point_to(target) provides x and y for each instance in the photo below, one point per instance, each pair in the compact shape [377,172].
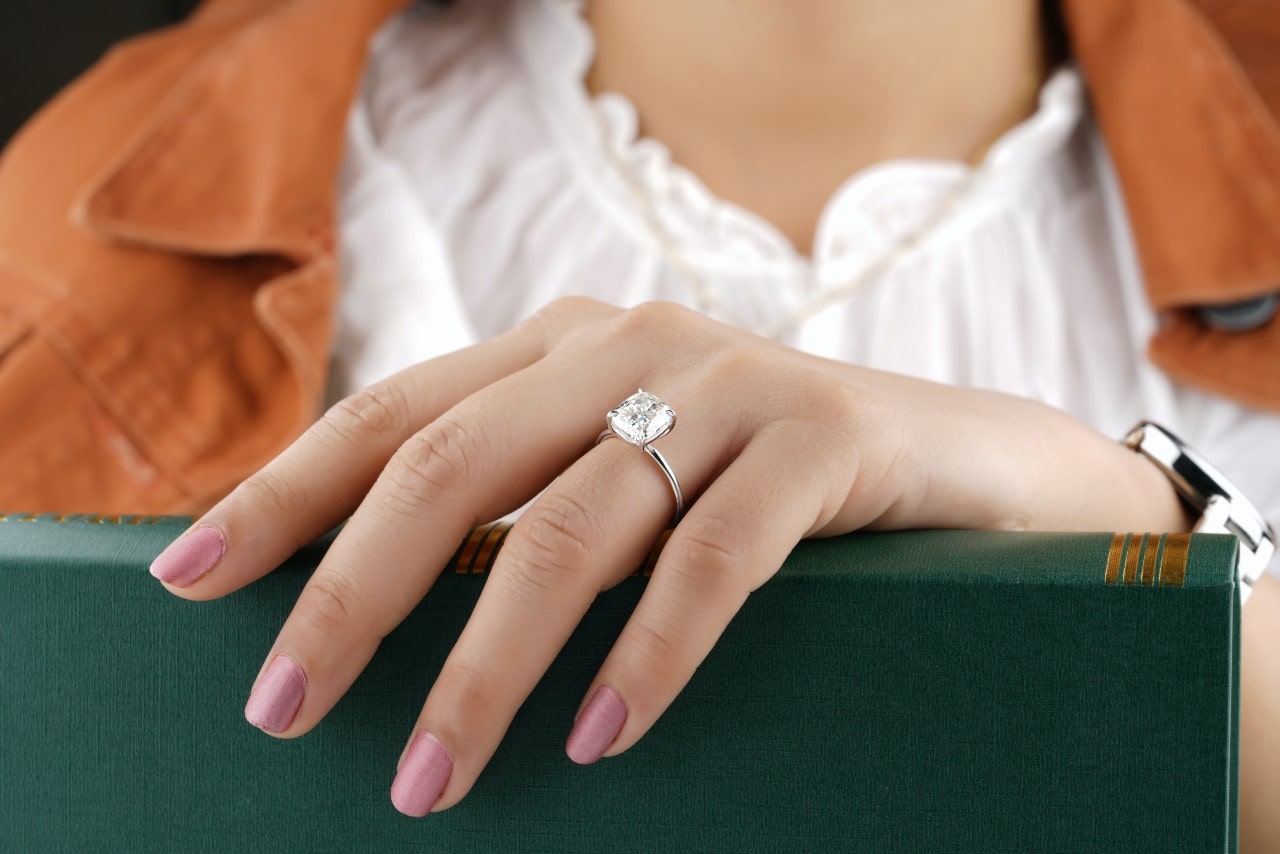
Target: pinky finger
[733,539]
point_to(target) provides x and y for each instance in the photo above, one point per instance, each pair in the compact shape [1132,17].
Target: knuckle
[436,460]
[572,306]
[556,318]
[733,366]
[557,541]
[653,646]
[1014,522]
[469,692]
[273,493]
[331,603]
[662,333]
[650,318]
[836,411]
[377,411]
[707,551]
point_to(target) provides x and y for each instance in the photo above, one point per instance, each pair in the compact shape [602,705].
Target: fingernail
[188,558]
[277,696]
[423,775]
[597,726]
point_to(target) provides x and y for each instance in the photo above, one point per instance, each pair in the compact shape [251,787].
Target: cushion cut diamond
[642,418]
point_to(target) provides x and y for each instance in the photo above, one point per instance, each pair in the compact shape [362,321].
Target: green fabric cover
[924,691]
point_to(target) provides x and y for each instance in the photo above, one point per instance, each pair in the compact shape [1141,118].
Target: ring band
[640,420]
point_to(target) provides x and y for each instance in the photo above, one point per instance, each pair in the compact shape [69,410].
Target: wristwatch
[1222,507]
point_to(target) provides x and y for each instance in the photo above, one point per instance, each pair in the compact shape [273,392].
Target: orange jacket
[167,276]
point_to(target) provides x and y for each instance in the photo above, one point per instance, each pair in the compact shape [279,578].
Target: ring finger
[784,486]
[589,530]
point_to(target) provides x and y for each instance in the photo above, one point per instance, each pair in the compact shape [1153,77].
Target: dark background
[45,44]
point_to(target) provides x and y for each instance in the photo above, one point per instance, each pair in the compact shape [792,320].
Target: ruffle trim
[866,214]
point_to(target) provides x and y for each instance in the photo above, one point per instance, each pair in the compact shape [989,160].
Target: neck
[774,103]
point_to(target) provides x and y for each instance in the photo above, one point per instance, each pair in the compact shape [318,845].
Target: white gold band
[640,420]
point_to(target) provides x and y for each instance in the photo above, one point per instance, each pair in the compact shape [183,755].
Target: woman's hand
[772,446]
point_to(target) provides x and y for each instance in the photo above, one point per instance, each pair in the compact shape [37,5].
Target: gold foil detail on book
[467,551]
[1148,559]
[1173,565]
[83,518]
[1132,557]
[1113,558]
[493,540]
[479,550]
[1149,556]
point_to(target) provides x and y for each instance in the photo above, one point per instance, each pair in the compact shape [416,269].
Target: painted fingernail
[188,558]
[423,775]
[597,726]
[277,696]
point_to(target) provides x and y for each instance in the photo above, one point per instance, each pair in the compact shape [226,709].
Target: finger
[591,528]
[318,480]
[485,457]
[733,540]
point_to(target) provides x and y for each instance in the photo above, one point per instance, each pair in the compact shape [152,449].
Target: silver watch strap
[1222,506]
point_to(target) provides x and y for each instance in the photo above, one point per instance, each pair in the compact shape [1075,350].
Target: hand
[772,446]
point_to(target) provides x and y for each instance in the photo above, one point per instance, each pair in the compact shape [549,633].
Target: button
[1243,316]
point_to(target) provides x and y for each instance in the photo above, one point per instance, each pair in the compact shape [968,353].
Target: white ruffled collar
[866,215]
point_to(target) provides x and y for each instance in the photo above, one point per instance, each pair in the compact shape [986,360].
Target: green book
[923,691]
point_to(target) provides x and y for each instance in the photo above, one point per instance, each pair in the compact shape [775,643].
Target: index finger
[320,479]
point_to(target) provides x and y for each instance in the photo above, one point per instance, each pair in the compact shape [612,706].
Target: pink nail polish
[188,558]
[277,696]
[423,775]
[597,726]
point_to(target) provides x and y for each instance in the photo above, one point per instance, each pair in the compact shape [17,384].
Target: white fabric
[482,181]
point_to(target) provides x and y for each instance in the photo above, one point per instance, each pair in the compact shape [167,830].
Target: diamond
[641,418]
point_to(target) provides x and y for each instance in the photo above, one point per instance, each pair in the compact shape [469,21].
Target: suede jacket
[167,271]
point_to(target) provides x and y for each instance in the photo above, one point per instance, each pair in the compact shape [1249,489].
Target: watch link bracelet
[1222,507]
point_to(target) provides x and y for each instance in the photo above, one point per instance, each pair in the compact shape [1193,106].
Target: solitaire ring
[640,420]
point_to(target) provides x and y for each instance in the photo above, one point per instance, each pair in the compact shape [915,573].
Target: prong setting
[641,419]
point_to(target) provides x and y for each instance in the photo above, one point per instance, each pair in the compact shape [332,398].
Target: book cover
[916,691]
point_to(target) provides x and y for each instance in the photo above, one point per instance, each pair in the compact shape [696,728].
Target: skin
[793,98]
[1260,719]
[773,445]
[820,449]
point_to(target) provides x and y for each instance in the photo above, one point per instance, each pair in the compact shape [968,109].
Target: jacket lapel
[1187,93]
[240,156]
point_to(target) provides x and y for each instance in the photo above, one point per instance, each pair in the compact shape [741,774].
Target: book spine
[1131,560]
[130,540]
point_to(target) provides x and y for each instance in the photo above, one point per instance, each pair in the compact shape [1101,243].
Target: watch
[1222,507]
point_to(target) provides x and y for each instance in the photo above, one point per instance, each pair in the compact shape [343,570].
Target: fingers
[480,460]
[733,540]
[318,480]
[473,436]
[590,529]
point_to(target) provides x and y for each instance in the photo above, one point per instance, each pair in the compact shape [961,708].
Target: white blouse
[481,181]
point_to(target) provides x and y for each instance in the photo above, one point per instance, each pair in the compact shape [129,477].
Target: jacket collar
[1187,94]
[241,156]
